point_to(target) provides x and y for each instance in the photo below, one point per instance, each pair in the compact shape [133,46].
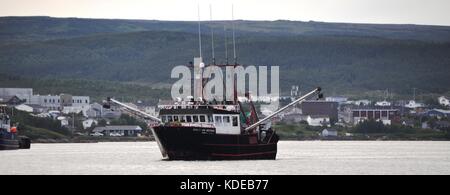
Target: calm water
[308,157]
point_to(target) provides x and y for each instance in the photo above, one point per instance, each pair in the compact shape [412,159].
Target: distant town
[330,118]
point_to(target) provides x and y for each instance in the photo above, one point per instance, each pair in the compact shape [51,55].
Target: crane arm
[299,100]
[146,115]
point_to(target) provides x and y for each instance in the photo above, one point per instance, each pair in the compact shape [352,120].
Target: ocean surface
[294,157]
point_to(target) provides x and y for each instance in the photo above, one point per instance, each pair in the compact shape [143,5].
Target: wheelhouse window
[210,119]
[175,119]
[170,119]
[202,118]
[189,119]
[226,120]
[195,119]
[235,121]
[218,120]
[183,119]
[164,119]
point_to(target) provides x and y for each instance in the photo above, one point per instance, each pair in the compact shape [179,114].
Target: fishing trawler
[198,129]
[9,140]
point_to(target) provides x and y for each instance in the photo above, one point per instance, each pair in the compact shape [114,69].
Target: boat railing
[217,106]
[200,125]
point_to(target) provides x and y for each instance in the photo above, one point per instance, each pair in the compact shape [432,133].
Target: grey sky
[434,12]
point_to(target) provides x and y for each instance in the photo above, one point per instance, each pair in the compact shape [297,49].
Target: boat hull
[9,144]
[195,143]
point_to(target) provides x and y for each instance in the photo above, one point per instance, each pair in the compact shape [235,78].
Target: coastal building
[412,104]
[95,111]
[320,108]
[318,120]
[444,101]
[89,123]
[126,131]
[11,100]
[52,102]
[63,120]
[384,114]
[22,93]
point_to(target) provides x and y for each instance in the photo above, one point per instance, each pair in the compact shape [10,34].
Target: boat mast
[234,54]
[199,32]
[212,36]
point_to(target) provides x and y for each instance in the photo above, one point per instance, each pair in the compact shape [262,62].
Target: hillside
[340,57]
[25,29]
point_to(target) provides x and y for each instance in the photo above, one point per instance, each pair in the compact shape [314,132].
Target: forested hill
[349,57]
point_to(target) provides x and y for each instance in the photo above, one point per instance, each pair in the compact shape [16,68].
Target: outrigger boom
[300,100]
[146,115]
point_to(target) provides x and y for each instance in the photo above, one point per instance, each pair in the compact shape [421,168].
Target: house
[329,133]
[384,114]
[318,120]
[21,93]
[59,102]
[314,108]
[444,101]
[64,121]
[95,111]
[127,131]
[414,105]
[11,100]
[89,123]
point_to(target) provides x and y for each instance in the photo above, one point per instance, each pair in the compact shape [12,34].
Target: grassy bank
[305,132]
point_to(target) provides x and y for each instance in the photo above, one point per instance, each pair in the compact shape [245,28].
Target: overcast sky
[433,12]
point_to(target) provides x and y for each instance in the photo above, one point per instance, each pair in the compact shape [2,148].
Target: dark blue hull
[194,143]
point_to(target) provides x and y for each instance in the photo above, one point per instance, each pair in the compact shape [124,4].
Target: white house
[413,104]
[25,108]
[88,123]
[329,133]
[318,120]
[64,121]
[444,101]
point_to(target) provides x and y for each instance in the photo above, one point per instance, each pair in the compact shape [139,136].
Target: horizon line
[252,20]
